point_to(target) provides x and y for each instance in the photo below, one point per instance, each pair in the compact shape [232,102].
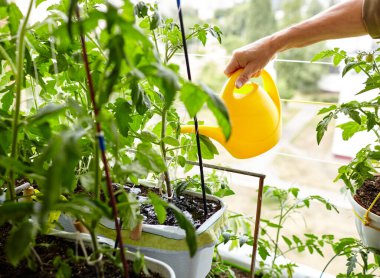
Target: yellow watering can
[255,115]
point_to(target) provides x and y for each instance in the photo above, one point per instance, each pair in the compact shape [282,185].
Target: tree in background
[261,20]
[297,77]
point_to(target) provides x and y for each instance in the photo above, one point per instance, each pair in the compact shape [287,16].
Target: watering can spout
[213,132]
[255,115]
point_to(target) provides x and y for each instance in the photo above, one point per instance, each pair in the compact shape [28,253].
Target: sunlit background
[304,87]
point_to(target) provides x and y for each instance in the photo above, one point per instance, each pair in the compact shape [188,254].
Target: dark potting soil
[367,193]
[191,206]
[49,247]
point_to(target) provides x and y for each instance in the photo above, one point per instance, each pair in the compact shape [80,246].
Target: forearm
[340,21]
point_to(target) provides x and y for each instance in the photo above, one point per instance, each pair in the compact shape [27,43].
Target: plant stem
[102,148]
[278,235]
[154,38]
[163,152]
[20,45]
[95,246]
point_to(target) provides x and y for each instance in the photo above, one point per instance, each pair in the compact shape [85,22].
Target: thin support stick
[195,118]
[101,142]
[257,226]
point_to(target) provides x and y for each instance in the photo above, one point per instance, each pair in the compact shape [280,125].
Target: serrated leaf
[350,129]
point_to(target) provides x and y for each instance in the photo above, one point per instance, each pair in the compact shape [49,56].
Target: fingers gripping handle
[229,87]
[269,86]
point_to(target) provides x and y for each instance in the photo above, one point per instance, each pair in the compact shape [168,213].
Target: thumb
[244,77]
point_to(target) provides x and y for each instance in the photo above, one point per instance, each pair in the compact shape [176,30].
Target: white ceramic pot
[168,243]
[152,264]
[370,235]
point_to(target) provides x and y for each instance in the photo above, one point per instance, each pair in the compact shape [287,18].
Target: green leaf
[193,98]
[39,2]
[355,116]
[139,98]
[129,210]
[20,241]
[155,21]
[337,59]
[202,36]
[263,252]
[49,110]
[350,66]
[159,206]
[171,141]
[149,158]
[141,9]
[226,237]
[287,241]
[351,264]
[371,121]
[322,126]
[139,264]
[15,211]
[64,271]
[15,17]
[7,100]
[148,136]
[123,111]
[185,223]
[181,160]
[327,109]
[294,191]
[350,129]
[323,54]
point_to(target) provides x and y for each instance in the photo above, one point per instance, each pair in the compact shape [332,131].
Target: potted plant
[51,143]
[275,245]
[360,175]
[154,126]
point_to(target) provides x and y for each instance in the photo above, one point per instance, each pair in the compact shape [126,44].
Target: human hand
[252,58]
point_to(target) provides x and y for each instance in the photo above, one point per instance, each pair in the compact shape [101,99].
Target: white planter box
[153,265]
[168,243]
[370,235]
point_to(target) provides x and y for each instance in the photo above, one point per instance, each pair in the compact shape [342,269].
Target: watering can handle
[269,86]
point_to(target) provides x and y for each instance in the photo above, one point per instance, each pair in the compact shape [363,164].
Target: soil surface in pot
[367,193]
[191,206]
[49,247]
